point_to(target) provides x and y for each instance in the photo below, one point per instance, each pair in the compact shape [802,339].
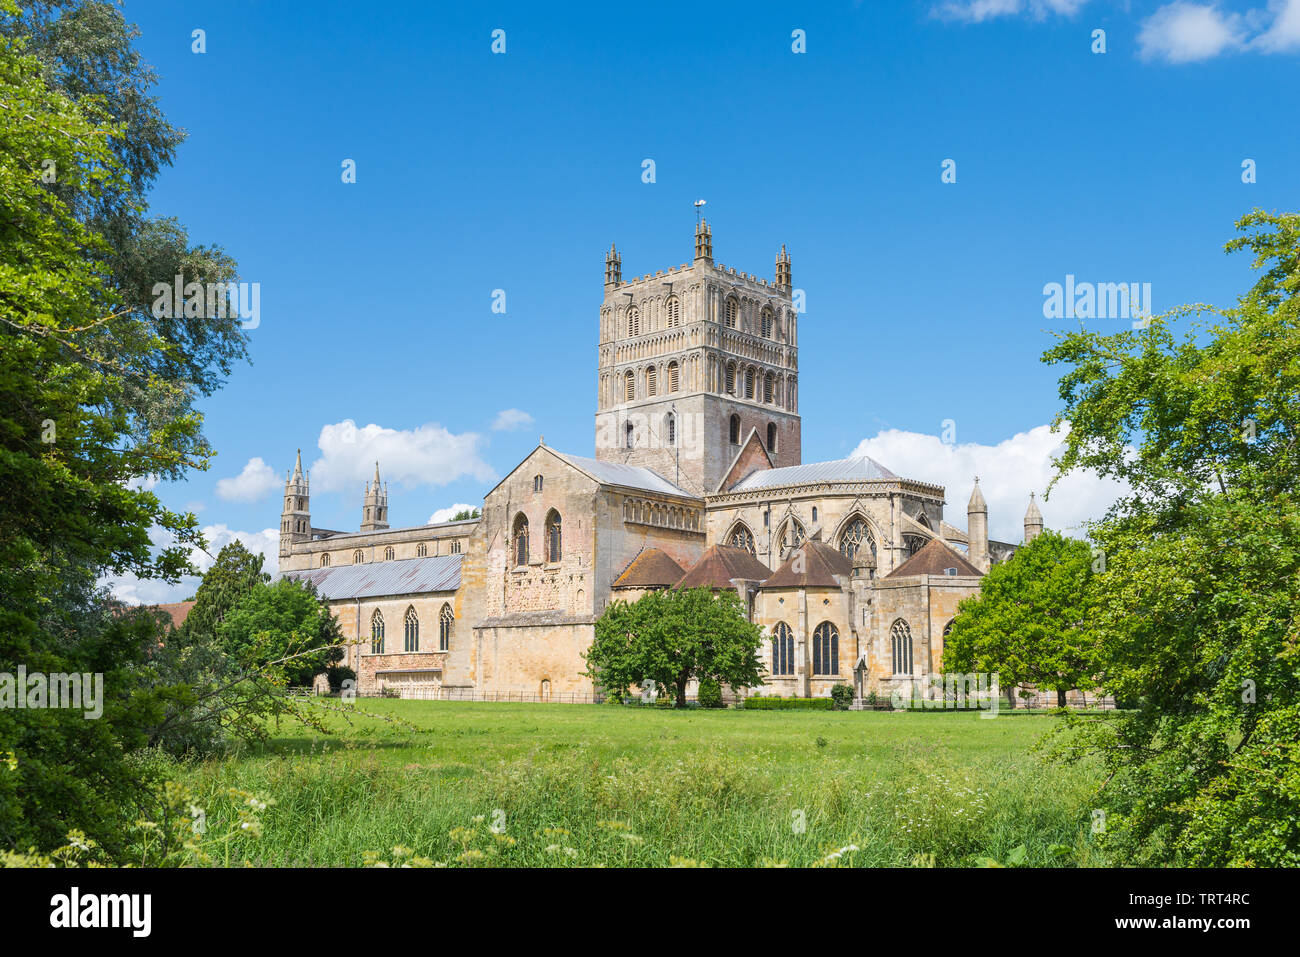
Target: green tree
[235,573]
[465,513]
[669,637]
[285,620]
[1031,622]
[1199,606]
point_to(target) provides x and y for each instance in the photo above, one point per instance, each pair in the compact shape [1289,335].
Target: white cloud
[428,455]
[1284,34]
[253,483]
[134,590]
[145,483]
[1183,32]
[977,11]
[445,514]
[1008,472]
[508,420]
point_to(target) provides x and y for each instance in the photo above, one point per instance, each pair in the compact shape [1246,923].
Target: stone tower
[374,506]
[295,519]
[693,359]
[977,528]
[1033,520]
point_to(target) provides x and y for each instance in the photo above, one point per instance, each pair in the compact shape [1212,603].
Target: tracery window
[325,560]
[553,536]
[421,550]
[741,537]
[792,536]
[901,634]
[358,557]
[411,631]
[377,633]
[520,538]
[389,554]
[826,650]
[913,544]
[857,534]
[446,622]
[782,649]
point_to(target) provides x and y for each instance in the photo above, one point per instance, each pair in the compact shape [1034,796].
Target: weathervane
[699,204]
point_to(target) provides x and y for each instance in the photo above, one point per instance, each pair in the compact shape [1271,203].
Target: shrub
[337,674]
[777,703]
[841,697]
[710,694]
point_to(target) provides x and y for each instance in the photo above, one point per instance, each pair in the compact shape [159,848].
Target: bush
[710,694]
[337,674]
[777,703]
[841,697]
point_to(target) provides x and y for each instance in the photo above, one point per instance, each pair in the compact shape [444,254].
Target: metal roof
[861,469]
[410,576]
[630,476]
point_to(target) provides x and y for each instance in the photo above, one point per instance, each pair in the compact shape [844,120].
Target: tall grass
[564,785]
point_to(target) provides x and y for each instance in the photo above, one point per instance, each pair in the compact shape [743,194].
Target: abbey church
[853,572]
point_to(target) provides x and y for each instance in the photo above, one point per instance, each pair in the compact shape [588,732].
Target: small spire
[976,503]
[376,472]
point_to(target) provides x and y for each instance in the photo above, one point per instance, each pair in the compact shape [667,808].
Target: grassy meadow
[469,784]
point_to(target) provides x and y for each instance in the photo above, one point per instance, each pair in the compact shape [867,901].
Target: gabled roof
[933,559]
[628,476]
[860,469]
[409,576]
[652,568]
[819,564]
[177,611]
[719,565]
[750,451]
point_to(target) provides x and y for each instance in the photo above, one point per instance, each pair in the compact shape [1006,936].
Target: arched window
[670,428]
[411,631]
[782,649]
[421,550]
[673,311]
[732,313]
[826,650]
[749,383]
[630,435]
[537,483]
[674,377]
[652,381]
[741,537]
[325,560]
[446,622]
[913,544]
[633,321]
[855,535]
[771,436]
[767,322]
[769,388]
[358,557]
[901,636]
[733,430]
[792,536]
[629,386]
[553,536]
[455,547]
[520,538]
[377,633]
[729,379]
[389,554]
[947,629]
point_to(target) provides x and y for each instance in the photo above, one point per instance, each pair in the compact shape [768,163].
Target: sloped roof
[741,453]
[629,476]
[860,469]
[178,611]
[720,564]
[933,559]
[410,576]
[651,568]
[820,564]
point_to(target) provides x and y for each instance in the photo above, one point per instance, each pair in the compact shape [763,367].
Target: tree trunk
[1060,698]
[1011,698]
[681,690]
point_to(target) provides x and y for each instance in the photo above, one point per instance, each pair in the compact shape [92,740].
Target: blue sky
[478,171]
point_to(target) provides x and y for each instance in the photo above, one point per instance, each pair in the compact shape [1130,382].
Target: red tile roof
[719,565]
[818,564]
[935,558]
[652,568]
[178,611]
